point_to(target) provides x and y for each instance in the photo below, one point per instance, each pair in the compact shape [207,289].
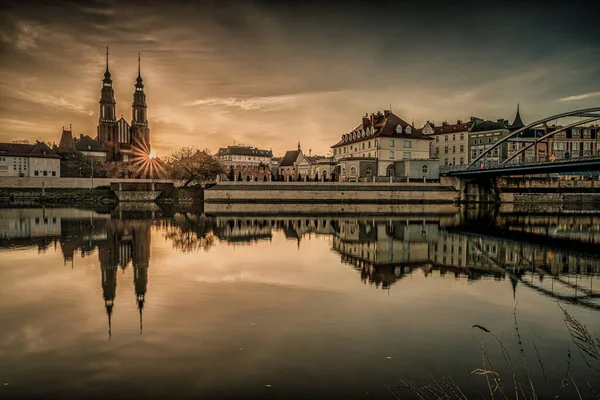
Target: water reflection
[382,250]
[284,292]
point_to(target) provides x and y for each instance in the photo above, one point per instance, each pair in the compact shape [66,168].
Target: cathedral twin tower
[123,141]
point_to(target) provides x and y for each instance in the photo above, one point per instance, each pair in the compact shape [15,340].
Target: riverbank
[329,193]
[67,196]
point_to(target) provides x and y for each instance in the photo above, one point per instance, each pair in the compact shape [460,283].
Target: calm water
[156,304]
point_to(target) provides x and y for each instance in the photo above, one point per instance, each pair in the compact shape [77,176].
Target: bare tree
[194,166]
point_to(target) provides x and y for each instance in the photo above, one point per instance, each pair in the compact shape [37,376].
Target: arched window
[424,168]
[352,171]
[324,174]
[368,171]
[390,170]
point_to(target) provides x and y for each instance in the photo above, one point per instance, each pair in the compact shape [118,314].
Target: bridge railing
[529,161]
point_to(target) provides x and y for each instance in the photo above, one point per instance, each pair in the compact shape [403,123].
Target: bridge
[582,165]
[479,168]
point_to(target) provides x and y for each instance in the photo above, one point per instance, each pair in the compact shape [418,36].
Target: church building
[123,140]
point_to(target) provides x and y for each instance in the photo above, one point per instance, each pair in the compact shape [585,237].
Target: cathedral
[123,141]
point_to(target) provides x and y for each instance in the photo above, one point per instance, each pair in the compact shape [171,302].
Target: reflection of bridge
[583,296]
[479,168]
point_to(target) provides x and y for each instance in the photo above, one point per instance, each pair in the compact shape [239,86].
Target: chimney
[81,136]
[365,122]
[458,121]
[386,113]
[309,152]
[372,119]
[445,123]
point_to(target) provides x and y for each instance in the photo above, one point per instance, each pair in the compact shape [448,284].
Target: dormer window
[408,130]
[399,129]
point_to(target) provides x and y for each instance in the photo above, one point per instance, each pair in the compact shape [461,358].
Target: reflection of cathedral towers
[109,290]
[140,257]
[127,242]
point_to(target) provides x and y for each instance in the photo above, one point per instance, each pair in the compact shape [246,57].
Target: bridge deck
[564,166]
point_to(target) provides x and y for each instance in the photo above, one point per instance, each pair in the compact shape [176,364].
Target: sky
[272,73]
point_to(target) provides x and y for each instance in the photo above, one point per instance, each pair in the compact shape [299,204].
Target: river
[152,303]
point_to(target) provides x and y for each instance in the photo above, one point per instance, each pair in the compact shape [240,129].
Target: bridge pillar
[478,191]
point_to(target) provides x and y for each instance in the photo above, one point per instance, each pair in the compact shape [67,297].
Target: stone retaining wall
[330,193]
[72,183]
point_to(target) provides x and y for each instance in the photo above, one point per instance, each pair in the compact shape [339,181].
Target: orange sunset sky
[270,73]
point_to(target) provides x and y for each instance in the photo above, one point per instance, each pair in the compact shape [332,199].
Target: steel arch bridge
[508,167]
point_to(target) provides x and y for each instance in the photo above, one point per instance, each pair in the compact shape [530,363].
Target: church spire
[138,81]
[517,122]
[107,73]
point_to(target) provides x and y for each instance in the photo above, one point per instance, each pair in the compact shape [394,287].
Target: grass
[520,383]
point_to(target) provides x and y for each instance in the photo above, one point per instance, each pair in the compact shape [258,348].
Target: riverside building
[384,148]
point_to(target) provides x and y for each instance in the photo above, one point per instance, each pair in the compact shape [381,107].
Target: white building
[246,163]
[28,160]
[378,148]
[244,156]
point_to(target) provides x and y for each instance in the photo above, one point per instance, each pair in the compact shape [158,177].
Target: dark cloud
[269,73]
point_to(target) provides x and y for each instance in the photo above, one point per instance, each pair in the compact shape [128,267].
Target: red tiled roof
[444,129]
[290,158]
[39,150]
[386,127]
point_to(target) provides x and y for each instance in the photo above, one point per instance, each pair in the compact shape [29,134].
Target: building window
[445,149]
[392,143]
[454,137]
[368,171]
[424,169]
[45,173]
[406,154]
[363,146]
[391,154]
[437,151]
[462,161]
[453,149]
[407,144]
[369,144]
[445,138]
[53,173]
[390,170]
[462,136]
[36,173]
[437,139]
[474,153]
[462,148]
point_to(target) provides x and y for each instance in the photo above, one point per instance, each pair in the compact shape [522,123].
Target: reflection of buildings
[385,251]
[128,242]
[119,243]
[248,230]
